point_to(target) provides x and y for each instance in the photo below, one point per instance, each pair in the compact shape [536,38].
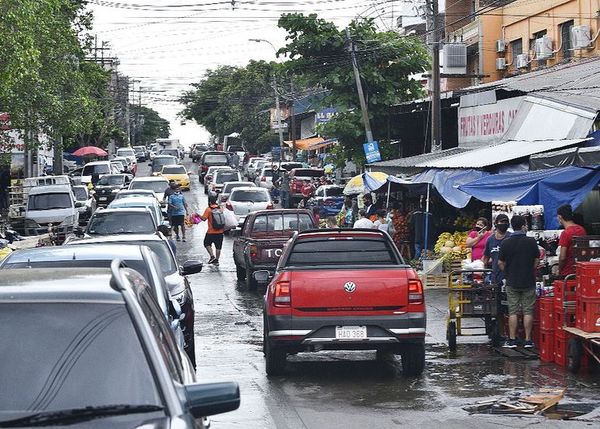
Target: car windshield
[291,165]
[231,186]
[157,186]
[125,152]
[235,148]
[173,152]
[249,196]
[121,223]
[80,193]
[111,180]
[163,253]
[158,163]
[282,222]
[175,169]
[84,344]
[49,201]
[227,176]
[345,251]
[267,173]
[334,192]
[215,158]
[88,170]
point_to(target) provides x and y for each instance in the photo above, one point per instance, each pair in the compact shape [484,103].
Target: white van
[51,204]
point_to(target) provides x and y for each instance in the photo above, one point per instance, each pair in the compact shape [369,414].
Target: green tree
[319,58]
[148,125]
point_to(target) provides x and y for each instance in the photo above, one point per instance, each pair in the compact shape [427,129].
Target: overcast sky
[168,44]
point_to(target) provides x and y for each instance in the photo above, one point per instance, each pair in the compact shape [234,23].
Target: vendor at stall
[566,259]
[477,238]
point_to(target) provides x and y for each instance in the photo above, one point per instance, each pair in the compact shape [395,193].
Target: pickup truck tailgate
[339,290]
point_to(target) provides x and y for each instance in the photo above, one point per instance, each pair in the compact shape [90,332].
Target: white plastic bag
[231,220]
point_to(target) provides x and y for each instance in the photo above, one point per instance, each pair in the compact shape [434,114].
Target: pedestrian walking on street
[364,221]
[168,192]
[284,190]
[492,248]
[216,229]
[518,258]
[566,259]
[178,210]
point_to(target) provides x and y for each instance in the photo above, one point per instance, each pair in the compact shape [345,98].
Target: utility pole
[292,115]
[278,112]
[361,95]
[433,35]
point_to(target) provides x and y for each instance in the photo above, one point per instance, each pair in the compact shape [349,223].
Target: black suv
[81,346]
[108,185]
[211,159]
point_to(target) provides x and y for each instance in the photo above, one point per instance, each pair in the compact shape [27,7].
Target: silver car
[150,203]
[243,201]
[230,186]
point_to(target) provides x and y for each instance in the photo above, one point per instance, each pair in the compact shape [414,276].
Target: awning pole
[387,205]
[427,218]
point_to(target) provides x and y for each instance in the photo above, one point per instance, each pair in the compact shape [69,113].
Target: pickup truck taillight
[228,206]
[282,296]
[252,251]
[415,291]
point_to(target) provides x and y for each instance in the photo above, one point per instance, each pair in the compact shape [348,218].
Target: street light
[277,109]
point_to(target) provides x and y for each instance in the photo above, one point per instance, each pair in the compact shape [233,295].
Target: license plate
[351,332]
[103,198]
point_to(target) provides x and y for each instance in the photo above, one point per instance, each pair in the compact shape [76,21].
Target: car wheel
[413,359]
[575,353]
[274,358]
[241,272]
[250,282]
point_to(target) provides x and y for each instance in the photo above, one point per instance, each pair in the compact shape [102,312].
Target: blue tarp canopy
[445,181]
[552,188]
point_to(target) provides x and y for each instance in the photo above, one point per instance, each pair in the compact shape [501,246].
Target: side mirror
[191,267]
[78,204]
[212,398]
[261,277]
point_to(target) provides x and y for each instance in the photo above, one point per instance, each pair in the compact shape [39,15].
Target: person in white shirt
[381,223]
[363,221]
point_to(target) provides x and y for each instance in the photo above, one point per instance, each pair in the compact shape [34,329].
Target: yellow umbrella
[356,185]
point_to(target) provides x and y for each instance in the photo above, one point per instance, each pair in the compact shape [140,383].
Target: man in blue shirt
[492,248]
[178,209]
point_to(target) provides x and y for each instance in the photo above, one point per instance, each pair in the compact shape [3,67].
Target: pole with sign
[372,152]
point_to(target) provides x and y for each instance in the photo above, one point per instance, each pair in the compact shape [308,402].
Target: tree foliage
[319,57]
[149,125]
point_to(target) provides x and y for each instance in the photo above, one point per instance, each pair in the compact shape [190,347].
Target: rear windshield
[342,252]
[282,222]
[121,223]
[125,152]
[80,193]
[88,170]
[215,159]
[176,169]
[110,180]
[235,148]
[267,173]
[292,165]
[169,152]
[249,196]
[157,186]
[158,163]
[231,186]
[307,172]
[334,192]
[227,176]
[138,265]
[49,201]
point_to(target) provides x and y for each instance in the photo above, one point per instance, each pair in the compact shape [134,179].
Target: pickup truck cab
[262,238]
[337,289]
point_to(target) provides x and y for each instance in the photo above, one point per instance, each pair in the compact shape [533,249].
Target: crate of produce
[586,247]
[546,345]
[546,313]
[561,347]
[588,314]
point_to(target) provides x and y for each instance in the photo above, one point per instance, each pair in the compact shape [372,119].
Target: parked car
[140,153]
[174,275]
[178,173]
[343,289]
[129,153]
[121,221]
[87,202]
[298,176]
[221,177]
[329,199]
[159,162]
[158,185]
[210,174]
[109,358]
[229,186]
[243,201]
[108,186]
[262,237]
[211,159]
[198,150]
[139,258]
[250,168]
[96,169]
[51,205]
[150,203]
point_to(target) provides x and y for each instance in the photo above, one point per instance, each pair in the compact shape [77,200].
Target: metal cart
[471,295]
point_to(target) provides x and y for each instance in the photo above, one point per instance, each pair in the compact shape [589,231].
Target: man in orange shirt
[216,229]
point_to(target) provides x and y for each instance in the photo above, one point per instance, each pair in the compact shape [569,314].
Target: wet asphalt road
[350,389]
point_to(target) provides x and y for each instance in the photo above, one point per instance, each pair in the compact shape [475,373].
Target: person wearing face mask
[477,238]
[492,248]
[566,259]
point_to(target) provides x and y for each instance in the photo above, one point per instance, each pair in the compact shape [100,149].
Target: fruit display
[452,246]
[400,222]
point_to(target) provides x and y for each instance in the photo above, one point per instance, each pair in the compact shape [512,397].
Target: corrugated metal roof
[497,154]
[412,161]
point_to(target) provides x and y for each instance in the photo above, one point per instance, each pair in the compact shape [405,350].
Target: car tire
[413,359]
[274,358]
[240,272]
[250,282]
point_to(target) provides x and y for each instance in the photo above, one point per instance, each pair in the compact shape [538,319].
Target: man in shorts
[214,236]
[518,258]
[178,209]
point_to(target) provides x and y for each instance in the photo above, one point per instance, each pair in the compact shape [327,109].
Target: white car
[221,177]
[156,184]
[243,201]
[265,178]
[230,186]
[211,172]
[250,169]
[97,167]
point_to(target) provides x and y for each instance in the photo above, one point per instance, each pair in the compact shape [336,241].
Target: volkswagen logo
[350,287]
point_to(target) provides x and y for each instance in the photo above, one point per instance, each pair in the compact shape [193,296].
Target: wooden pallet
[434,281]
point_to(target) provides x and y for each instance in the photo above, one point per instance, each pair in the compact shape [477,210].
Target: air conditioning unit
[455,58]
[522,61]
[580,37]
[500,63]
[543,48]
[500,46]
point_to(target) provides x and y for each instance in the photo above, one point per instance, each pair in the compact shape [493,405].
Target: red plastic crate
[588,269]
[561,347]
[536,311]
[546,345]
[560,319]
[558,292]
[588,315]
[546,313]
[588,286]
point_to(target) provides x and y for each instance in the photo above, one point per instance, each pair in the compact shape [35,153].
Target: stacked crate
[546,337]
[588,297]
[564,315]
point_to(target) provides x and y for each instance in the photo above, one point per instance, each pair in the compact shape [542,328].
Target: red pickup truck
[339,289]
[262,237]
[298,178]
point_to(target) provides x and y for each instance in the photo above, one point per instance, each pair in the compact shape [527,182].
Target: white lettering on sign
[274,252]
[481,125]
